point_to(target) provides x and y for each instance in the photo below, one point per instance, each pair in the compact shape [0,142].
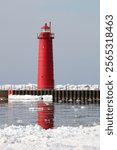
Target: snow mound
[61,138]
[26,98]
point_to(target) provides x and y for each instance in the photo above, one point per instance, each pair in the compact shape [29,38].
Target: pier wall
[65,96]
[3,95]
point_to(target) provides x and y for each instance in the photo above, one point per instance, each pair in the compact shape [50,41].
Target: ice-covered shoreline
[34,137]
[57,87]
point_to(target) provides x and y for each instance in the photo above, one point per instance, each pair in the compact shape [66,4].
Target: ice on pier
[77,87]
[26,98]
[57,87]
[28,86]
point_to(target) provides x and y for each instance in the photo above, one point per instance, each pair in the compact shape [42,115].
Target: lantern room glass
[45,30]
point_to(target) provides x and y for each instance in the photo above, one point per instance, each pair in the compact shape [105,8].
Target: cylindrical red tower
[45,58]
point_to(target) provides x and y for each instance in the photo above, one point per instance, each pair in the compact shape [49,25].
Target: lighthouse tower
[45,58]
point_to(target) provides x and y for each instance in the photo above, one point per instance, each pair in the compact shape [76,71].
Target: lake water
[74,127]
[62,114]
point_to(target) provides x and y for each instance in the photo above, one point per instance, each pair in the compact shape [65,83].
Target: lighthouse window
[45,30]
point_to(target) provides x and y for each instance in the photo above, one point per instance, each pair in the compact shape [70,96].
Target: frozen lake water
[64,114]
[76,127]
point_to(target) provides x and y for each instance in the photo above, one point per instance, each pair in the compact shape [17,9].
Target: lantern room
[45,28]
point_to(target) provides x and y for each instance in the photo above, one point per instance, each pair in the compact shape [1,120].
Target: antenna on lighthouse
[50,26]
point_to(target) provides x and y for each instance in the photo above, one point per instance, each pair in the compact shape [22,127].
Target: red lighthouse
[45,58]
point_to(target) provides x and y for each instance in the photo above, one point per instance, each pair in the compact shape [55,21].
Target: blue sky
[76,45]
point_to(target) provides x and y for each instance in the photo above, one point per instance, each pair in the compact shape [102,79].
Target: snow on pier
[57,87]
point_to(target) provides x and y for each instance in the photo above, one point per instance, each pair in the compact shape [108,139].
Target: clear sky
[76,45]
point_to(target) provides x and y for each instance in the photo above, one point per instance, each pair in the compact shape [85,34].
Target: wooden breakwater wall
[65,96]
